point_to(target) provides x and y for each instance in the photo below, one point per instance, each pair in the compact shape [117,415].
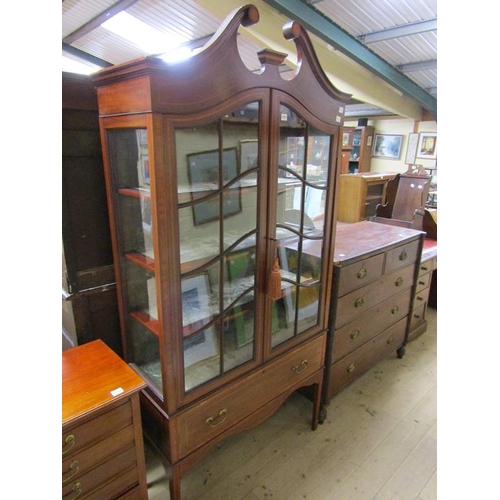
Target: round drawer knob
[359,302]
[355,334]
[399,281]
[351,367]
[395,310]
[403,255]
[362,273]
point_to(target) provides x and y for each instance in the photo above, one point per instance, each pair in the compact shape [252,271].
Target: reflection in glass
[217,170]
[302,194]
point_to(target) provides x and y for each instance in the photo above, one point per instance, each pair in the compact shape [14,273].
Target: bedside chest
[102,444]
[375,272]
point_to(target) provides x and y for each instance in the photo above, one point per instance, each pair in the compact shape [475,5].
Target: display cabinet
[221,187]
[360,157]
[347,136]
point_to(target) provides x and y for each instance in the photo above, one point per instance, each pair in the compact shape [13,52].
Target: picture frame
[387,146]
[427,145]
[411,149]
[249,154]
[195,306]
[203,173]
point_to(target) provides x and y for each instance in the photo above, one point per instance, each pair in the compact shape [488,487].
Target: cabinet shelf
[145,319]
[142,260]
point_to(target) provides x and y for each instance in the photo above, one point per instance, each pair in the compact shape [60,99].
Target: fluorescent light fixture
[141,34]
[80,67]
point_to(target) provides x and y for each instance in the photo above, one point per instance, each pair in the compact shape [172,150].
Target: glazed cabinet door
[219,201]
[304,173]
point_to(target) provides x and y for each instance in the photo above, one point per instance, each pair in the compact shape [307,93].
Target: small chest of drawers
[375,272]
[102,446]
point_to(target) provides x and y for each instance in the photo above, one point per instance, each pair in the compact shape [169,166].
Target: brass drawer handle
[421,282]
[300,368]
[420,298]
[70,441]
[359,302]
[351,367]
[355,334]
[395,310]
[399,281]
[77,489]
[416,316]
[215,421]
[74,468]
[403,255]
[362,273]
[423,268]
[390,340]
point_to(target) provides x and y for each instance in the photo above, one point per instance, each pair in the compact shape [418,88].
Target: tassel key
[274,285]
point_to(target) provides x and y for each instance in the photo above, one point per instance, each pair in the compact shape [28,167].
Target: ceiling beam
[98,20]
[399,31]
[315,22]
[85,56]
[418,66]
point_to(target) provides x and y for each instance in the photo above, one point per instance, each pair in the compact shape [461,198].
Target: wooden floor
[378,442]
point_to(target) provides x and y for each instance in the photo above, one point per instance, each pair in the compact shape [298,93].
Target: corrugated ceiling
[84,38]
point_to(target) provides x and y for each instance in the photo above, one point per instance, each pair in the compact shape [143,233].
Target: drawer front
[351,305]
[353,365]
[423,281]
[421,298]
[367,325]
[360,273]
[107,471]
[216,414]
[428,266]
[78,436]
[78,464]
[401,256]
[418,316]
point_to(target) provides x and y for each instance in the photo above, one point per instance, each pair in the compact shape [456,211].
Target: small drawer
[427,266]
[351,305]
[417,316]
[98,476]
[367,325]
[78,464]
[423,282]
[401,256]
[360,273]
[75,438]
[421,297]
[346,370]
[218,413]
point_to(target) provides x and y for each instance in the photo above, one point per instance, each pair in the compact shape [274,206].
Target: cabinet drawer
[421,298]
[359,301]
[75,438]
[353,365]
[427,266]
[423,282]
[78,464]
[99,476]
[418,315]
[401,256]
[360,273]
[370,323]
[218,413]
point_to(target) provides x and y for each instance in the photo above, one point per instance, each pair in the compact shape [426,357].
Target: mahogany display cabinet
[221,185]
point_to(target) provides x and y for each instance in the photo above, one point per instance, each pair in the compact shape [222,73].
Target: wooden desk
[102,444]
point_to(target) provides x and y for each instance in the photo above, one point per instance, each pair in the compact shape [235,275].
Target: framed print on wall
[387,146]
[427,145]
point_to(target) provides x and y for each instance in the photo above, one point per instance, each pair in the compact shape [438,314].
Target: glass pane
[303,173]
[239,333]
[129,156]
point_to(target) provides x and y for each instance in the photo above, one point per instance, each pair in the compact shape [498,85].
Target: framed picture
[249,154]
[195,314]
[387,146]
[427,145]
[411,149]
[203,171]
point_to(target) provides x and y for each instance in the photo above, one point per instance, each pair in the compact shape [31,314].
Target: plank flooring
[379,441]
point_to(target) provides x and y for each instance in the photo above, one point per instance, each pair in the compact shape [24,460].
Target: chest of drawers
[376,267]
[428,264]
[102,446]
